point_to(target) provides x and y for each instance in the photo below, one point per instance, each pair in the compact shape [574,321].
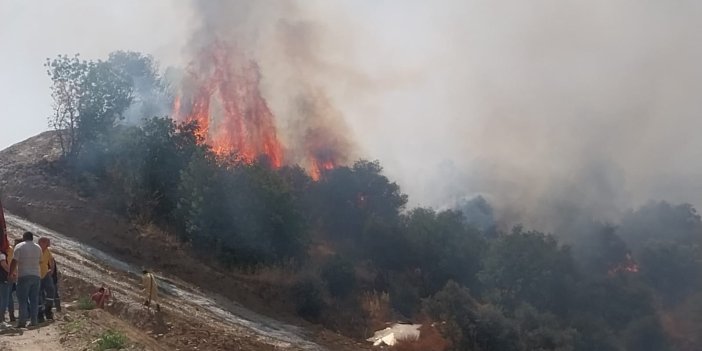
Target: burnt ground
[33,189]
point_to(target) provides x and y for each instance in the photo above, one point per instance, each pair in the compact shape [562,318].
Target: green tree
[150,96]
[245,211]
[347,199]
[661,221]
[470,325]
[89,97]
[340,276]
[601,250]
[529,267]
[443,246]
[674,270]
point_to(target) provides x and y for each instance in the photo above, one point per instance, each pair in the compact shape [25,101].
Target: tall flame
[221,92]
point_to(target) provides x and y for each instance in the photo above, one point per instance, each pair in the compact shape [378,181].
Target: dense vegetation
[635,286]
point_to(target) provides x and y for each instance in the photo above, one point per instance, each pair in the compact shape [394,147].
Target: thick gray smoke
[567,111]
[289,47]
[554,111]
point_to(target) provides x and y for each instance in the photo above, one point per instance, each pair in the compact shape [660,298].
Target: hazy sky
[539,105]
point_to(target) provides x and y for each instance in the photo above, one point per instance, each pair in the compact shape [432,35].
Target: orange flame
[226,102]
[629,265]
[221,93]
[320,167]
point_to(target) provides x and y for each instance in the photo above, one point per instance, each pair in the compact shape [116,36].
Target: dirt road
[45,338]
[182,302]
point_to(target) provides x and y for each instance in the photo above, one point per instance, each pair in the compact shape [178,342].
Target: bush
[308,298]
[85,303]
[404,297]
[340,277]
[111,339]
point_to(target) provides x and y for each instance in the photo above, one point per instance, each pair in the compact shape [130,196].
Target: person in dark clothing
[57,299]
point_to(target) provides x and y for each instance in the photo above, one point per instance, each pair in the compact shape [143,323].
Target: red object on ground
[101,297]
[4,242]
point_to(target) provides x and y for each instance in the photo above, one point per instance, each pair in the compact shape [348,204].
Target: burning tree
[221,92]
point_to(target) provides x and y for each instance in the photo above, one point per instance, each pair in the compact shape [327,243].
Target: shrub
[309,302]
[339,276]
[111,339]
[404,296]
[85,303]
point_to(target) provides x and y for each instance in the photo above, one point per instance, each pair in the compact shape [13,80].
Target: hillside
[34,191]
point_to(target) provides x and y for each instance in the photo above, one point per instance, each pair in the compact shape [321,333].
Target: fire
[629,265]
[221,92]
[320,167]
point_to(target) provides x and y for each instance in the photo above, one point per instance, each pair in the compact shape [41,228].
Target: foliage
[85,303]
[479,213]
[339,276]
[245,211]
[601,250]
[468,325]
[661,221]
[149,91]
[347,198]
[111,339]
[646,335]
[443,247]
[404,295]
[308,297]
[75,325]
[486,290]
[674,270]
[529,267]
[89,97]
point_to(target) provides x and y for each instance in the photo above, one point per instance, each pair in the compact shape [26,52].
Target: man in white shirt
[26,263]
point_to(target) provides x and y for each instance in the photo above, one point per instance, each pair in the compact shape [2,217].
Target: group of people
[29,271]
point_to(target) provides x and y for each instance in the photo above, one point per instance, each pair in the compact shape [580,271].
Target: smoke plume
[555,112]
[267,55]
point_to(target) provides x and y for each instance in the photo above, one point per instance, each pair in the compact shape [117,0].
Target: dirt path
[44,338]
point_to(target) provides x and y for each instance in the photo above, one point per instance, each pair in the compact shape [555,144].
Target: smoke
[553,111]
[557,112]
[288,49]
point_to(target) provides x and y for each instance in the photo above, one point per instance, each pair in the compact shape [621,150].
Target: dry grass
[376,305]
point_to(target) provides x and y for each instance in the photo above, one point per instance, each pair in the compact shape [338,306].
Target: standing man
[13,289]
[150,289]
[48,290]
[26,262]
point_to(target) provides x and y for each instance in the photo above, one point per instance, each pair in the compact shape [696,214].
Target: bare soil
[32,188]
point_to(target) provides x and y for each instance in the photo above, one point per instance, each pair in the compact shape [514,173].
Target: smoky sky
[549,109]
